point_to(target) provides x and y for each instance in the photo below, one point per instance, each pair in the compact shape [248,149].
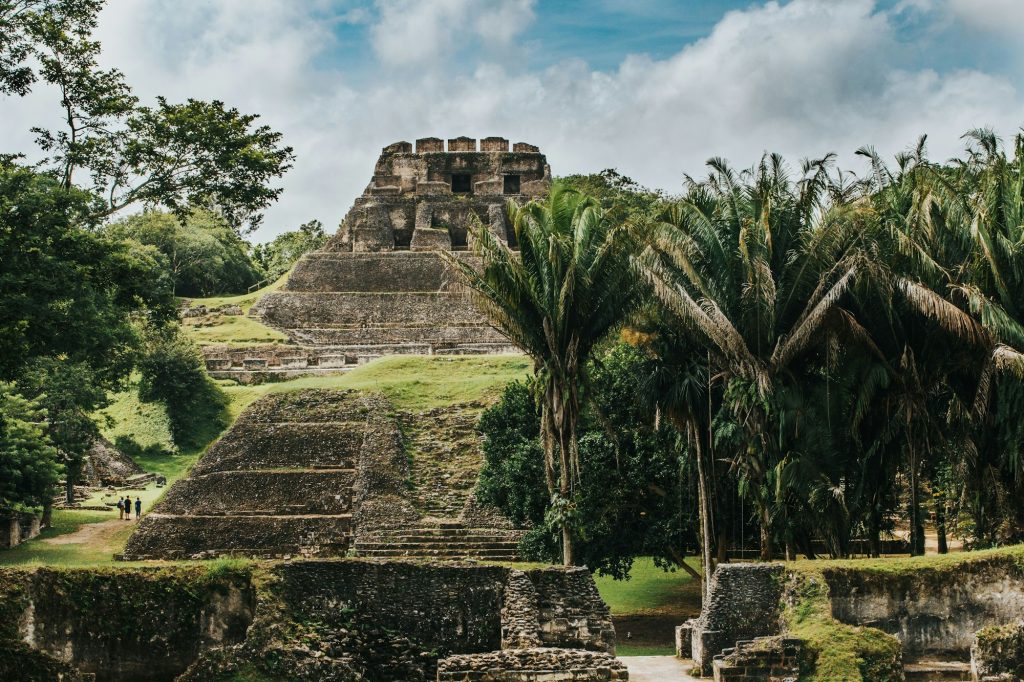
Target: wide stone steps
[937,671]
[448,542]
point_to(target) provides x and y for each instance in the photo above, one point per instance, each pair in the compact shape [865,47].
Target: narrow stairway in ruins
[446,458]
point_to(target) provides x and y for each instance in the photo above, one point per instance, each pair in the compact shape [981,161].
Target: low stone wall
[17,527]
[766,659]
[299,620]
[138,624]
[448,608]
[532,665]
[933,610]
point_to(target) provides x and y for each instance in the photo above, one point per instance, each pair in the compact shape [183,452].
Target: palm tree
[568,285]
[754,267]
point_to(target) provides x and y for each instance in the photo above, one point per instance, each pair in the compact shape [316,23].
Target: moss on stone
[833,650]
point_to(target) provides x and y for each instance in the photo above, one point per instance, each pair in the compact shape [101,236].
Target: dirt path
[89,533]
[657,669]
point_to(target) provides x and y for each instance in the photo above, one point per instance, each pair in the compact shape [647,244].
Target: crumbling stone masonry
[743,604]
[367,620]
[375,288]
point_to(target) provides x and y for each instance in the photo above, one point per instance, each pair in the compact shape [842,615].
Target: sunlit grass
[651,591]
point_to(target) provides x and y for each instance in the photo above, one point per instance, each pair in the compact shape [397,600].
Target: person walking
[138,508]
[120,508]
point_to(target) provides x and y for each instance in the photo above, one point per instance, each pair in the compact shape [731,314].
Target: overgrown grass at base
[239,329]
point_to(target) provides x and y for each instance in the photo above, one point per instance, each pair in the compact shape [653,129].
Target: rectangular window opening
[462,183]
[511,184]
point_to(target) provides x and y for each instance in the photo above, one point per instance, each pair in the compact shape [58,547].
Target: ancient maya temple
[377,288]
[322,473]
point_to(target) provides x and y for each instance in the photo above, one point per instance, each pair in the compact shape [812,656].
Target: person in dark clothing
[138,508]
[120,508]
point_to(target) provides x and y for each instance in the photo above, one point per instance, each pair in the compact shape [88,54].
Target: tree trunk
[766,533]
[875,534]
[705,511]
[69,488]
[940,523]
[915,508]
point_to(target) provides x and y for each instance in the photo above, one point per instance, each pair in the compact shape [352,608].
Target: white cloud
[803,79]
[414,32]
[998,16]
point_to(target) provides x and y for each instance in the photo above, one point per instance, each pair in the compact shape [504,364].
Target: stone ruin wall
[414,200]
[191,623]
[935,612]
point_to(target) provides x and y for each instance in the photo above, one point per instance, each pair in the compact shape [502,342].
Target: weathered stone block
[462,144]
[494,144]
[426,145]
[431,239]
[523,147]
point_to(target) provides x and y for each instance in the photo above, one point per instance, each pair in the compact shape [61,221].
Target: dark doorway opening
[511,184]
[462,183]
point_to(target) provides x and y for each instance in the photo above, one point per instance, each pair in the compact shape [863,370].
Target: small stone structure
[765,659]
[743,604]
[942,615]
[375,288]
[17,527]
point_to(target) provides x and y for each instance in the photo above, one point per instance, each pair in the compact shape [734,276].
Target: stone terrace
[278,483]
[305,473]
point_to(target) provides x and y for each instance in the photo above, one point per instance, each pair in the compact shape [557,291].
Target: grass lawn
[411,382]
[234,328]
[647,607]
[239,329]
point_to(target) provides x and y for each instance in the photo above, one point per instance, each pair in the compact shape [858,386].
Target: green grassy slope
[234,328]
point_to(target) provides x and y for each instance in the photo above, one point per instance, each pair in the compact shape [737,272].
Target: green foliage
[203,255]
[277,257]
[28,461]
[173,155]
[173,372]
[70,392]
[617,193]
[568,286]
[68,291]
[632,498]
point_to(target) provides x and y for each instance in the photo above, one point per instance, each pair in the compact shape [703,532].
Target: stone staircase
[937,671]
[278,483]
[448,541]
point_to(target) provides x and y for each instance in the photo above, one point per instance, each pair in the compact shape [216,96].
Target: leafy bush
[28,461]
[173,372]
[633,496]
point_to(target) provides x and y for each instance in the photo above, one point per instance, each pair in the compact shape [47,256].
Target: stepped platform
[317,472]
[278,483]
[450,541]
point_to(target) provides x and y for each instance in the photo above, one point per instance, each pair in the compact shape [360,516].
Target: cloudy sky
[650,87]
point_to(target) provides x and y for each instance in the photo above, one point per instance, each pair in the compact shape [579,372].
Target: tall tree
[173,155]
[568,285]
[755,266]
